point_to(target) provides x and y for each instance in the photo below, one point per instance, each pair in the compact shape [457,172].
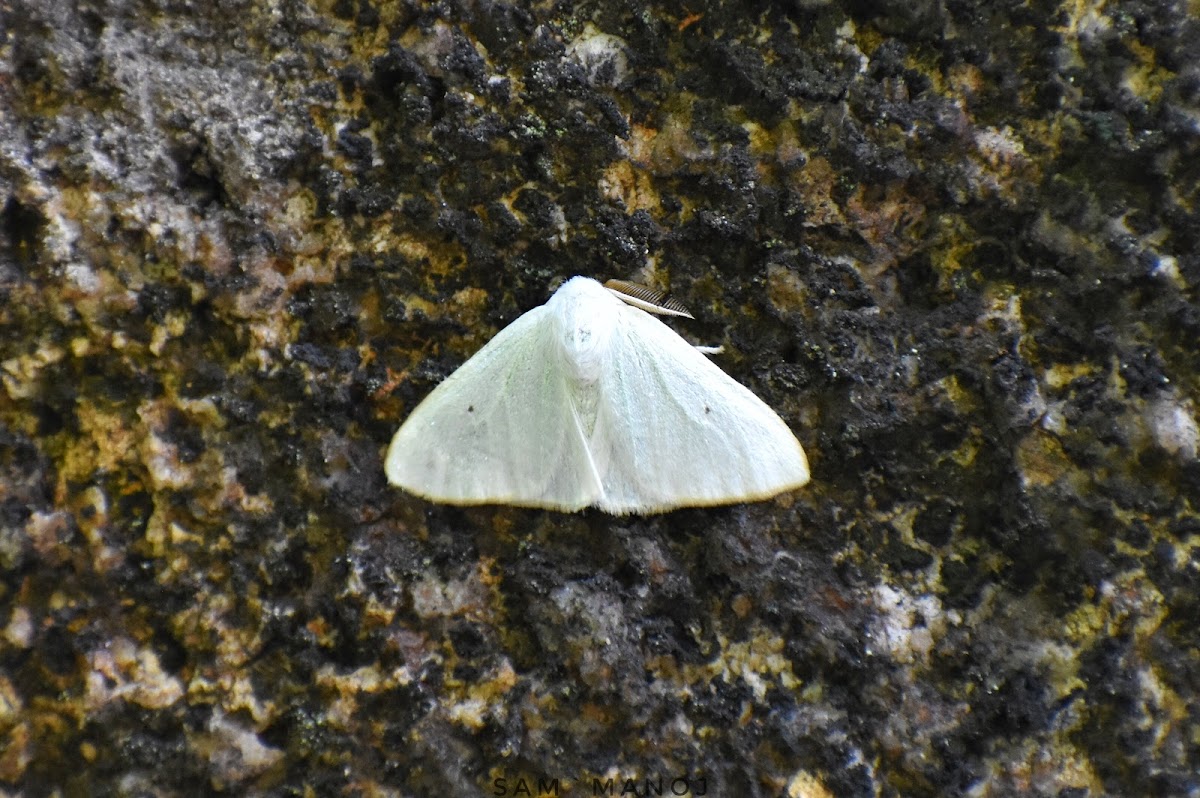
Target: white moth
[588,401]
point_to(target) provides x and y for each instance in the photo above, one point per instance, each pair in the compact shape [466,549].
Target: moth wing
[502,429]
[674,430]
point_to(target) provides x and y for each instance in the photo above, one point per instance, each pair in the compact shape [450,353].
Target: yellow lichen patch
[670,146]
[1131,597]
[1083,624]
[968,449]
[16,753]
[951,390]
[805,785]
[319,252]
[241,696]
[815,185]
[347,687]
[21,374]
[1054,767]
[786,291]
[1063,238]
[966,80]
[233,493]
[470,705]
[1059,375]
[1162,708]
[299,207]
[105,444]
[1084,19]
[377,614]
[11,705]
[1001,167]
[664,668]
[868,38]
[416,302]
[1146,78]
[173,326]
[785,142]
[207,625]
[756,662]
[408,246]
[953,241]
[1041,460]
[1059,664]
[763,144]
[640,146]
[364,679]
[631,186]
[1001,309]
[468,306]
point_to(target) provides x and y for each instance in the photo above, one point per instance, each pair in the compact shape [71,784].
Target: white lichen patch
[1160,708]
[234,751]
[431,45]
[1000,162]
[162,462]
[48,531]
[907,626]
[1173,424]
[1086,20]
[123,671]
[471,595]
[602,56]
[1166,268]
[1000,147]
[470,713]
[19,631]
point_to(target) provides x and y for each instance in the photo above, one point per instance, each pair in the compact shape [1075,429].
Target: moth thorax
[585,329]
[586,346]
[585,315]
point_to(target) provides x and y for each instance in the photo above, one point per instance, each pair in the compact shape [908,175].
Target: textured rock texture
[956,244]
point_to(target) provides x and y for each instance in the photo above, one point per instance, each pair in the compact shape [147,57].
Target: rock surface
[956,245]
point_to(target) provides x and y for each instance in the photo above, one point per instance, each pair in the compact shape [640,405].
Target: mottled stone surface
[955,244]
